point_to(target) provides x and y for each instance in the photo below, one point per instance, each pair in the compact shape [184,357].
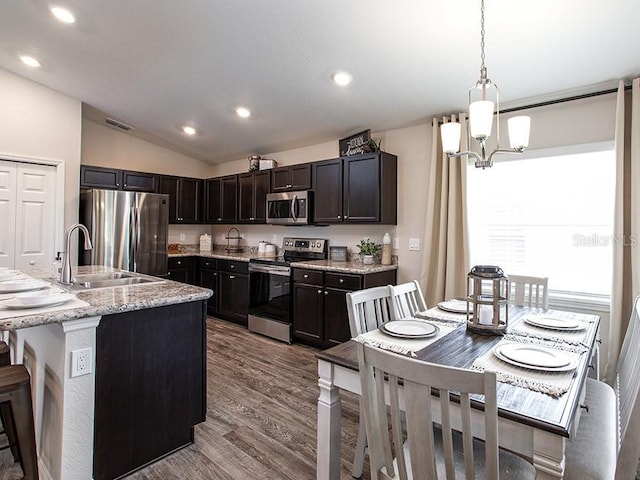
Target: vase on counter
[367,260]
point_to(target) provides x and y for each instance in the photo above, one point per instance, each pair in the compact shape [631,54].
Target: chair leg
[361,445]
[23,416]
[9,429]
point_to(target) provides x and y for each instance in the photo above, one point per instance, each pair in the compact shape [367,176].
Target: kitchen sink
[91,281]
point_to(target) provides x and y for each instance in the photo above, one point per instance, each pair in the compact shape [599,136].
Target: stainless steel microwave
[290,208]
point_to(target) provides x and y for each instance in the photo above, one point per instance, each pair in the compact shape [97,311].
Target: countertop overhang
[106,301]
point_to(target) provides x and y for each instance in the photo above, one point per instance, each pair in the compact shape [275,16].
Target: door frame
[58,228]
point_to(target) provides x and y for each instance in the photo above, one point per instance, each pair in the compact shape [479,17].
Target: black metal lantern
[487,297]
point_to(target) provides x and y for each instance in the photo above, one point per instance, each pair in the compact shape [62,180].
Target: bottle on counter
[386,249]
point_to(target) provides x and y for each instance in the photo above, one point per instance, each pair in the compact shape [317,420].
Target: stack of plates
[7,275]
[38,299]
[534,357]
[409,328]
[23,285]
[554,323]
[454,306]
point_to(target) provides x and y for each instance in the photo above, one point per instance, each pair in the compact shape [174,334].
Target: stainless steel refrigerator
[128,229]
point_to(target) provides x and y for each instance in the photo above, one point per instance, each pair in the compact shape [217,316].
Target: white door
[28,209]
[7,213]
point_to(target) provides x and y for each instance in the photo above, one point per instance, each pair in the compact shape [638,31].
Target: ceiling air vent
[117,124]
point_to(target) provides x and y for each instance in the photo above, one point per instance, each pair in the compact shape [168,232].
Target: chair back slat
[406,300]
[418,379]
[527,291]
[627,387]
[367,309]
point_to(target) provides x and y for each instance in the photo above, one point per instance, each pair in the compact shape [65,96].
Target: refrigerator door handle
[134,235]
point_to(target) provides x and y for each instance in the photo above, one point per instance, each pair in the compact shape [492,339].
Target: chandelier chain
[483,69]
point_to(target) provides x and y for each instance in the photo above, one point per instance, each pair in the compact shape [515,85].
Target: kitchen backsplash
[338,235]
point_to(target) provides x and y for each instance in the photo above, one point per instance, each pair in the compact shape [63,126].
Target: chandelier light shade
[484,104]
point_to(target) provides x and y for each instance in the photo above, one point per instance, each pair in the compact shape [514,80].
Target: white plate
[535,357]
[454,306]
[21,285]
[8,275]
[409,329]
[554,323]
[37,301]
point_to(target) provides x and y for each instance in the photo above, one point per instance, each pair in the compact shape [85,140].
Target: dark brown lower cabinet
[150,385]
[320,315]
[233,291]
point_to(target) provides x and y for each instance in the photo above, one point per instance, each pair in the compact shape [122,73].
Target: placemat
[13,313]
[554,384]
[405,346]
[438,314]
[576,337]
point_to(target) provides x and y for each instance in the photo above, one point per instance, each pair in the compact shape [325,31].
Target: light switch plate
[414,244]
[396,243]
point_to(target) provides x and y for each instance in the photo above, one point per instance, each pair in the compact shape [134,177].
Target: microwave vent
[117,124]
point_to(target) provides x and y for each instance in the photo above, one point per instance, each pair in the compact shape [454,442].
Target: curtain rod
[562,100]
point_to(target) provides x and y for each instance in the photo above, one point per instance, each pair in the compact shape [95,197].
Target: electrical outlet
[414,244]
[182,237]
[274,239]
[81,361]
[396,243]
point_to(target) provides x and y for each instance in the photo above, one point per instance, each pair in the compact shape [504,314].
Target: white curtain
[626,253]
[445,262]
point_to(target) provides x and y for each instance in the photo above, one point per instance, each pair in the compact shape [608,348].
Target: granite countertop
[105,301]
[327,265]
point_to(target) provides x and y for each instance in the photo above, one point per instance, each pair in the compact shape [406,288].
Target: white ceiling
[160,64]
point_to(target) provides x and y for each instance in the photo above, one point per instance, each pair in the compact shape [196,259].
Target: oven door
[270,292]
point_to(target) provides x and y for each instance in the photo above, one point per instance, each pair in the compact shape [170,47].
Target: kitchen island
[146,383]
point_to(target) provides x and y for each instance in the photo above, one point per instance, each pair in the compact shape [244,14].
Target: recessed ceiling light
[62,14]
[243,112]
[342,78]
[189,130]
[28,60]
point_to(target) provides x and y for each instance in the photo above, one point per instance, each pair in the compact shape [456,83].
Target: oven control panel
[305,245]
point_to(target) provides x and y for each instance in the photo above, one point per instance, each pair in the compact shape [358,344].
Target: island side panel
[150,385]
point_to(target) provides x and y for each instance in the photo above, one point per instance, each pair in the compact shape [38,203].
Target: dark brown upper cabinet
[185,198]
[221,199]
[356,189]
[294,177]
[114,179]
[253,189]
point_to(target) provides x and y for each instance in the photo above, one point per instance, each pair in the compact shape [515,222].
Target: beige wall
[37,122]
[106,147]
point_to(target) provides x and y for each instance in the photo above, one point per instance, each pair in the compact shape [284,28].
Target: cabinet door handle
[319,291]
[32,262]
[232,277]
[125,185]
[232,266]
[168,274]
[326,293]
[306,276]
[346,217]
[339,217]
[219,220]
[117,184]
[251,218]
[341,280]
[215,274]
[179,262]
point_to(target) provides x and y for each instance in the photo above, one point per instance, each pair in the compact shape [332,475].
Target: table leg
[329,425]
[548,455]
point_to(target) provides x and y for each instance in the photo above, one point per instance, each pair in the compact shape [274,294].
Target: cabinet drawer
[343,280]
[209,263]
[314,277]
[177,262]
[233,266]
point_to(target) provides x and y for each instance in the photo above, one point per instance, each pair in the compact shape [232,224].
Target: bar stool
[17,414]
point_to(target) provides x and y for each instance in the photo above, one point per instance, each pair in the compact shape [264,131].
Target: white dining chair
[430,451]
[406,300]
[367,309]
[607,442]
[527,291]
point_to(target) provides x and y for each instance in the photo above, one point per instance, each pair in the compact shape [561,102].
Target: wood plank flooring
[261,414]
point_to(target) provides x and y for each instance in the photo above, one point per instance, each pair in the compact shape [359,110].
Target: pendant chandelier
[484,102]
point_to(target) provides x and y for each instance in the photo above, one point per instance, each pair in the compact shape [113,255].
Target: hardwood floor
[261,414]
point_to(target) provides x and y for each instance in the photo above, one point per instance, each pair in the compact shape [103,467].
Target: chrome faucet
[65,272]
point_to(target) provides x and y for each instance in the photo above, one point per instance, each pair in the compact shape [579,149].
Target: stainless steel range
[270,281]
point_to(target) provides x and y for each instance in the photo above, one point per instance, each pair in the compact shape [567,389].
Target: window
[548,213]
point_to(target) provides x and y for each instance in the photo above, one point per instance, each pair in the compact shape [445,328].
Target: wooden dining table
[533,424]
